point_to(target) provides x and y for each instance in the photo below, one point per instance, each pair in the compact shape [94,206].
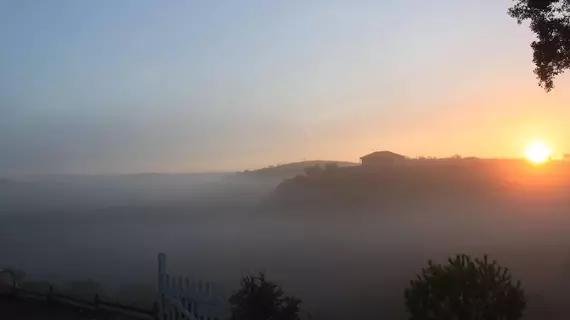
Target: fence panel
[185,298]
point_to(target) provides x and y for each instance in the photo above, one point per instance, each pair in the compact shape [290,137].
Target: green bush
[464,288]
[260,299]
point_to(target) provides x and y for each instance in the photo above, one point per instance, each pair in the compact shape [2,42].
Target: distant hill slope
[413,184]
[290,170]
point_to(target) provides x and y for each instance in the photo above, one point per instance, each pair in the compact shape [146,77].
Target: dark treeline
[418,181]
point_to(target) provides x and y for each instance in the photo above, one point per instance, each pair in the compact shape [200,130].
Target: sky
[184,86]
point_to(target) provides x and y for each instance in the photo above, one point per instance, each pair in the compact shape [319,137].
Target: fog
[351,263]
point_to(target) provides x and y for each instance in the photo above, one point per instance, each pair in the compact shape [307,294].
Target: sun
[537,152]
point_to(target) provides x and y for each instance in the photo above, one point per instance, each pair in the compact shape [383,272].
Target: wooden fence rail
[179,298]
[51,297]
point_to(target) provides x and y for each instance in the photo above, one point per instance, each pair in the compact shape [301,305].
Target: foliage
[11,278]
[19,275]
[550,21]
[313,171]
[465,289]
[260,299]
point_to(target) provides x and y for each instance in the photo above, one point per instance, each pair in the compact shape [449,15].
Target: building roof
[383,154]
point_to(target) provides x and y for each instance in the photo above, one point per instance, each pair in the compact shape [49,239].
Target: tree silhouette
[314,171]
[260,299]
[464,288]
[550,21]
[16,276]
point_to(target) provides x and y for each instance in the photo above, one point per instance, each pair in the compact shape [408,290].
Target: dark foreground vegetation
[461,288]
[550,22]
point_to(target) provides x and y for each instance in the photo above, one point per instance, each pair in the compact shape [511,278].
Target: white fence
[184,298]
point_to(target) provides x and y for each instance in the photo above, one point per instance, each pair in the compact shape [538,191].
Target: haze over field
[357,259]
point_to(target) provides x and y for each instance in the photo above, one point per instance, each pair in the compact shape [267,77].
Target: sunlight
[537,152]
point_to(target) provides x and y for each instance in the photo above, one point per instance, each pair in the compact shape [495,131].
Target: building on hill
[381,158]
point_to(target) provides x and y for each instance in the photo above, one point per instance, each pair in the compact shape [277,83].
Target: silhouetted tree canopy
[313,171]
[16,276]
[464,288]
[550,21]
[260,299]
[19,275]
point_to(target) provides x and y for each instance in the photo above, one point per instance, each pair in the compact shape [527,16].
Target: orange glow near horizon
[537,152]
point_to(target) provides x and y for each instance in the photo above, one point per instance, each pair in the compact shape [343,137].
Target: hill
[293,169]
[419,182]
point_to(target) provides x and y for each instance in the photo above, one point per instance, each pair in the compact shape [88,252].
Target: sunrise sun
[537,152]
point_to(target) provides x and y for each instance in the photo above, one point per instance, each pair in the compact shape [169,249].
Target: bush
[260,299]
[464,288]
[314,171]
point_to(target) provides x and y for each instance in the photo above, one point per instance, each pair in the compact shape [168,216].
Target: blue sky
[139,85]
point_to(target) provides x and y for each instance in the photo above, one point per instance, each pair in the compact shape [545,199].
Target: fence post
[50,303]
[50,295]
[155,311]
[14,284]
[96,301]
[161,283]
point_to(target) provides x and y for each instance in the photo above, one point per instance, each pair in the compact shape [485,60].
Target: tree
[16,276]
[260,299]
[550,21]
[314,171]
[464,288]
